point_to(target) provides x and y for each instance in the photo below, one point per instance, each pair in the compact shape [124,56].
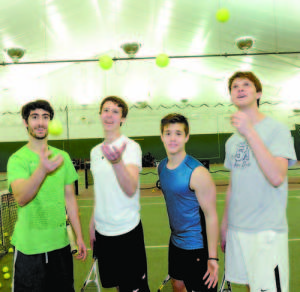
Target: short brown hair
[118,101]
[246,75]
[175,118]
[37,104]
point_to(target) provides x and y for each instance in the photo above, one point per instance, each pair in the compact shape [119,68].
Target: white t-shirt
[115,212]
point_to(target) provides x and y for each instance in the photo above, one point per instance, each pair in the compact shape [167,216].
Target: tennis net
[8,217]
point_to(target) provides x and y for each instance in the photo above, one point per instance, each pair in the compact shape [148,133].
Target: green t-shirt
[41,224]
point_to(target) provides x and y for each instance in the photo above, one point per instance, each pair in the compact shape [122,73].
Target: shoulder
[19,154]
[162,164]
[192,162]
[131,143]
[96,148]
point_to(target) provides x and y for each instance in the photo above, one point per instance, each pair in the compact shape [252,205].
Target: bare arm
[25,190]
[224,225]
[72,210]
[127,176]
[205,191]
[274,168]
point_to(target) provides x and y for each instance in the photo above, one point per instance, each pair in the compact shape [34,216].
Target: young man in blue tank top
[190,196]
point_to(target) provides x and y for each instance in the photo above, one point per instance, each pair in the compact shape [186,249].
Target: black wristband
[213,259]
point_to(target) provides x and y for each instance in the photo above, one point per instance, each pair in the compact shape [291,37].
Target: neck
[175,159]
[253,113]
[36,145]
[110,137]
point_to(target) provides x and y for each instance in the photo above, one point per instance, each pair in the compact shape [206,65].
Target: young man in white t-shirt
[254,226]
[116,232]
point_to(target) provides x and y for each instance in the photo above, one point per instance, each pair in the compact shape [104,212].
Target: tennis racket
[71,236]
[91,282]
[225,285]
[166,285]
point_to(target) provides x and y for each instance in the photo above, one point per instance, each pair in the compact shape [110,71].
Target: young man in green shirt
[41,179]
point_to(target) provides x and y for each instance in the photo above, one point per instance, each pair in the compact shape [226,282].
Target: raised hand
[113,154]
[241,122]
[49,165]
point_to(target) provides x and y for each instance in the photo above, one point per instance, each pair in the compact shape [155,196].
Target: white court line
[166,246]
[163,203]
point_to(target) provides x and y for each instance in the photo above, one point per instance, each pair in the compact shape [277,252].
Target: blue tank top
[185,215]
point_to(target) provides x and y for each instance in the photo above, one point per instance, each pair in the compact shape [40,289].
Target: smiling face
[37,124]
[111,117]
[174,138]
[243,93]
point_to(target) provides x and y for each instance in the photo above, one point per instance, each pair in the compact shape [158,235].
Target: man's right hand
[49,165]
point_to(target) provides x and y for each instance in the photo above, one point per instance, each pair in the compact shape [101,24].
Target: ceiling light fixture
[15,53]
[245,43]
[131,48]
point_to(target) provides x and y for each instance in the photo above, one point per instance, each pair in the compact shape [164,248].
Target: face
[38,124]
[243,93]
[174,138]
[111,116]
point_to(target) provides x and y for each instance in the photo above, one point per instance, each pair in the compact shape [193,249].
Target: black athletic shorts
[46,272]
[190,267]
[122,260]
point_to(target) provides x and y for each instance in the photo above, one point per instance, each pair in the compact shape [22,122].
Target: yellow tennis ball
[11,250]
[162,60]
[223,15]
[55,127]
[105,62]
[6,276]
[5,269]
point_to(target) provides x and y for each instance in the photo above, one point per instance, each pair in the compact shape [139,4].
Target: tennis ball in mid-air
[6,276]
[5,269]
[162,60]
[55,127]
[11,250]
[105,62]
[223,15]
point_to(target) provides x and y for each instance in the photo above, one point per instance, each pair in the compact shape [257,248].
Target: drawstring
[46,256]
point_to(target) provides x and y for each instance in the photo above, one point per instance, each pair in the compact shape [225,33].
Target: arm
[72,210]
[127,175]
[25,190]
[92,230]
[205,191]
[274,168]
[224,225]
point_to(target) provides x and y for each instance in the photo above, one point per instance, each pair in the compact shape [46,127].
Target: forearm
[269,165]
[72,210]
[26,190]
[127,181]
[212,232]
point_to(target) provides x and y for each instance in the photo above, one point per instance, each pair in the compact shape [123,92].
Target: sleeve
[16,169]
[133,154]
[70,172]
[282,144]
[227,162]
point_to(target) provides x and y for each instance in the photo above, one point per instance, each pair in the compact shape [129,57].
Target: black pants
[122,260]
[51,271]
